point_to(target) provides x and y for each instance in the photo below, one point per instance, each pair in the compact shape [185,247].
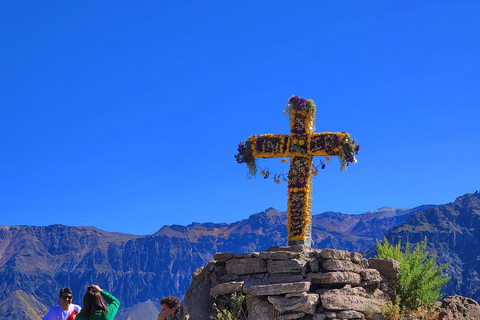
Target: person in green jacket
[94,307]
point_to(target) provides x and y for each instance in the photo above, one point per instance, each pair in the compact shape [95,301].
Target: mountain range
[35,262]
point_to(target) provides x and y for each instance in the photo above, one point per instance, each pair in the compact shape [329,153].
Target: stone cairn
[295,282]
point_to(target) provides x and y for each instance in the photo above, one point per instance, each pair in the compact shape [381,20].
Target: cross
[301,146]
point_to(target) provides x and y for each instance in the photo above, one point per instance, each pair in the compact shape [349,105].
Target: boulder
[387,267]
[341,265]
[245,266]
[282,278]
[279,255]
[259,308]
[246,255]
[222,256]
[305,303]
[335,254]
[276,289]
[370,276]
[286,266]
[335,277]
[356,257]
[349,299]
[227,287]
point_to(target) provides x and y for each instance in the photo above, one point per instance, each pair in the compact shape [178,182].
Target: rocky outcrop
[294,282]
[459,308]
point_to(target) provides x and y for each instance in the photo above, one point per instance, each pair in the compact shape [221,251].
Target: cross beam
[301,146]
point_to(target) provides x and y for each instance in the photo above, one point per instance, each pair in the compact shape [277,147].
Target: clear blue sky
[126,115]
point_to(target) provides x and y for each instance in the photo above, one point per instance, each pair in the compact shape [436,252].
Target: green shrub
[420,279]
[229,307]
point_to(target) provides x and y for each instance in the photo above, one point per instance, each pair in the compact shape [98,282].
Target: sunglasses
[67,297]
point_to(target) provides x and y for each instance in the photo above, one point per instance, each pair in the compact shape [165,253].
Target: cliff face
[35,262]
[453,231]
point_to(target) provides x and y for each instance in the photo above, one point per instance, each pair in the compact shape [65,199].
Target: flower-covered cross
[301,146]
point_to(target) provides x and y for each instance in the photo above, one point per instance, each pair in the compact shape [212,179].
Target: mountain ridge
[39,260]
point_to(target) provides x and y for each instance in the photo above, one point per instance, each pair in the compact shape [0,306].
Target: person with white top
[66,310]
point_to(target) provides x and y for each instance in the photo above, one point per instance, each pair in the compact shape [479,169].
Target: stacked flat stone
[295,282]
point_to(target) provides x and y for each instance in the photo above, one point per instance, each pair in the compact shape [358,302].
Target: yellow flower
[284,160]
[263,173]
[328,159]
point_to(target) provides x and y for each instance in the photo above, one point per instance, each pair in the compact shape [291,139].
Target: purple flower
[298,103]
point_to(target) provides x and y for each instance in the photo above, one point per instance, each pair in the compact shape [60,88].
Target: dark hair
[171,302]
[92,301]
[64,290]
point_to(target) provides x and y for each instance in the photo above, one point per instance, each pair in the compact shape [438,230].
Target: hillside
[453,231]
[36,261]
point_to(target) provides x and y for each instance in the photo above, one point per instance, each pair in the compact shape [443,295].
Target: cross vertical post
[299,209]
[301,146]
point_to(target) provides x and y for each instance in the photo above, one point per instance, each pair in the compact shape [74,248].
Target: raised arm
[113,303]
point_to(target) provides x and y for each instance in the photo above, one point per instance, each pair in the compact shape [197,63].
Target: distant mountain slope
[357,232]
[35,262]
[453,231]
[20,305]
[143,310]
[40,260]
